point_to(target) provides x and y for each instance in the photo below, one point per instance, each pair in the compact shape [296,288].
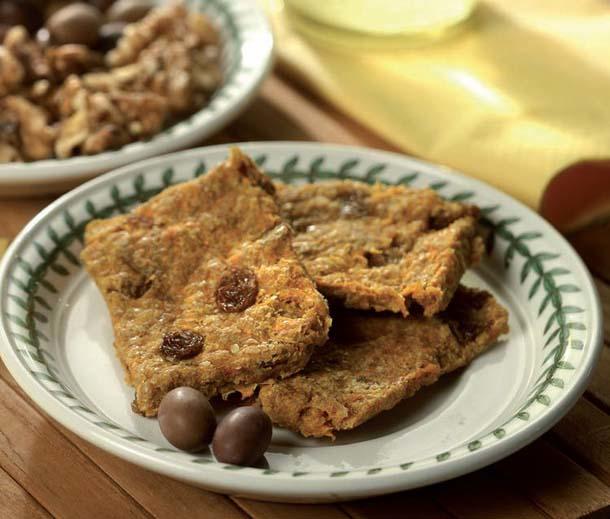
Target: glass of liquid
[385,17]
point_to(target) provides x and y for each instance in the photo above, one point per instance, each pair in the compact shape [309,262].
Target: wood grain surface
[47,471]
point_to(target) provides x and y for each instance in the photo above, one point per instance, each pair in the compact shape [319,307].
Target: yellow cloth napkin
[517,93]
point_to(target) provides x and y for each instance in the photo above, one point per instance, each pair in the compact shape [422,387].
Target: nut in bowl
[95,85]
[84,91]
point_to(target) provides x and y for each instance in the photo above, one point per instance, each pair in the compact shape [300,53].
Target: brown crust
[373,361]
[379,247]
[158,267]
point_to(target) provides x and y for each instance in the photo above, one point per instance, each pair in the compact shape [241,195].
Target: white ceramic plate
[246,59]
[56,339]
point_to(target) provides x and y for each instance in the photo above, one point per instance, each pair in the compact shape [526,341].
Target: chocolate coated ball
[129,11]
[76,23]
[110,34]
[50,7]
[12,13]
[186,419]
[243,436]
[102,5]
[20,13]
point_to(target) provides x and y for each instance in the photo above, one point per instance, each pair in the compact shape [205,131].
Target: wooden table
[46,470]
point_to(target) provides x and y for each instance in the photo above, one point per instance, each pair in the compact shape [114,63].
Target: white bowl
[246,58]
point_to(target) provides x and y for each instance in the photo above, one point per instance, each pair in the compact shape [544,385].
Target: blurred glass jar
[386,17]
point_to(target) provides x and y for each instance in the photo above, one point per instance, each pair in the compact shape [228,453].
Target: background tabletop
[46,470]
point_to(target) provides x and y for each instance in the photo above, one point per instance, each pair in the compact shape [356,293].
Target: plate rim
[308,488]
[246,16]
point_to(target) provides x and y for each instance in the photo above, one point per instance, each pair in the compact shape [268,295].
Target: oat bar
[373,361]
[204,288]
[379,247]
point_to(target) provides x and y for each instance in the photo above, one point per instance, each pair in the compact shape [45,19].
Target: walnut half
[35,134]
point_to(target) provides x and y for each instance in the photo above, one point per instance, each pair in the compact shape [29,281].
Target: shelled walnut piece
[67,100]
[24,130]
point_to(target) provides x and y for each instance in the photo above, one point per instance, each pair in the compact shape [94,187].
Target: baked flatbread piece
[382,247]
[373,361]
[204,288]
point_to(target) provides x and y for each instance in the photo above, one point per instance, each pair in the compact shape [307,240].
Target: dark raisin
[236,290]
[465,332]
[181,345]
[375,259]
[461,314]
[478,299]
[465,300]
[440,220]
